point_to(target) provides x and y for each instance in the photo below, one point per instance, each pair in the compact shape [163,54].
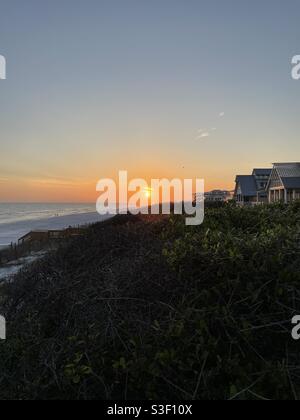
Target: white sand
[13,231]
[14,267]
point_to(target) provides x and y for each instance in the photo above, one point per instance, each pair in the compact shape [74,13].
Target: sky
[161,88]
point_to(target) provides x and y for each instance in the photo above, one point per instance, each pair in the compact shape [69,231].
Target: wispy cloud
[203,135]
[58,182]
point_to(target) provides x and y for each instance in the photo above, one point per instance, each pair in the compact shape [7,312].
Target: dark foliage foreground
[150,309]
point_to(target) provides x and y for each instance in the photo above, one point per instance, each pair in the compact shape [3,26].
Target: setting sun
[148,192]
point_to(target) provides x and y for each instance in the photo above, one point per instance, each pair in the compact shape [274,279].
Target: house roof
[291,182]
[218,192]
[247,184]
[289,174]
[262,172]
[288,170]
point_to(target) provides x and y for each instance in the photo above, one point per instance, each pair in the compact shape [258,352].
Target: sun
[148,192]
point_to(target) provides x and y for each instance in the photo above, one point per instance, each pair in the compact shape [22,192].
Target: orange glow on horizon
[76,191]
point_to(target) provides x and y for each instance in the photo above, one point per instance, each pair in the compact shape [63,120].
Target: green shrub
[144,308]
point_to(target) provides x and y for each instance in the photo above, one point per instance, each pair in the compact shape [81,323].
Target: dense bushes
[149,308]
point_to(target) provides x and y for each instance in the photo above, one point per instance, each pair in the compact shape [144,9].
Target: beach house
[251,189]
[284,183]
[220,196]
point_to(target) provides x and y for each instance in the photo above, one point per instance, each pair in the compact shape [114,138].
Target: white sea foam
[18,219]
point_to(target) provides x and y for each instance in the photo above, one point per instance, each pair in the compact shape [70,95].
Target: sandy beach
[13,267]
[12,232]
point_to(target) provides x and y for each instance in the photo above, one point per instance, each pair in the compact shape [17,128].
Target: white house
[284,183]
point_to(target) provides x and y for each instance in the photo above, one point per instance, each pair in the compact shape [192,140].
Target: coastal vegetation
[144,307]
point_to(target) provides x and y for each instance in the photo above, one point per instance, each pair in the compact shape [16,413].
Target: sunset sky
[161,88]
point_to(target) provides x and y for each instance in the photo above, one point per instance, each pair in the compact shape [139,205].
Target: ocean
[10,212]
[18,219]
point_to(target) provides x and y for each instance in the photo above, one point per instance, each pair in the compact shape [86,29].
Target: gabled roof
[291,183]
[288,170]
[247,184]
[262,172]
